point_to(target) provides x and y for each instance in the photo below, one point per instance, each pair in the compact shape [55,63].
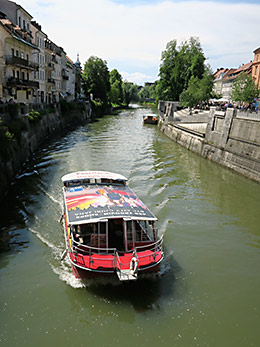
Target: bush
[99,107]
[67,107]
[34,116]
[16,127]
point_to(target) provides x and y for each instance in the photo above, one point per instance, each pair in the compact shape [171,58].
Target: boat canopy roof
[91,203]
[84,175]
[151,115]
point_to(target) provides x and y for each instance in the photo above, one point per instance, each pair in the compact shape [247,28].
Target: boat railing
[155,253]
[155,246]
[89,255]
[117,262]
[86,250]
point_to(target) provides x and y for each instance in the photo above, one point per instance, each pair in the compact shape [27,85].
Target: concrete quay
[230,138]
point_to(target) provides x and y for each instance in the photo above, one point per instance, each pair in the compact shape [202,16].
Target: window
[12,52]
[13,73]
[22,55]
[256,70]
[17,53]
[24,27]
[17,74]
[257,57]
[19,22]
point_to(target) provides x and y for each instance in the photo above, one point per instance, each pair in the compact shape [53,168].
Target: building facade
[39,38]
[256,67]
[18,65]
[33,69]
[224,79]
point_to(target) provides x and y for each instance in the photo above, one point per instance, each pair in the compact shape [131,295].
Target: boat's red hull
[98,266]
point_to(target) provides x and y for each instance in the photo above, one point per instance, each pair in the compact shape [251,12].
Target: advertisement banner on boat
[104,202]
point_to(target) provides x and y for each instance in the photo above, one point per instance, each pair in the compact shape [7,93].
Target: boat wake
[59,202]
[66,275]
[56,251]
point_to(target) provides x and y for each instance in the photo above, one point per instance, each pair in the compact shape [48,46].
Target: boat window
[83,232]
[119,182]
[73,183]
[144,231]
[106,181]
[86,181]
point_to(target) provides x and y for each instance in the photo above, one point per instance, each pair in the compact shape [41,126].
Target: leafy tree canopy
[116,93]
[244,89]
[199,90]
[130,92]
[178,65]
[96,78]
[148,91]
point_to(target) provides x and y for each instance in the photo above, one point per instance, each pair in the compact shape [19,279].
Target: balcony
[51,80]
[17,82]
[17,61]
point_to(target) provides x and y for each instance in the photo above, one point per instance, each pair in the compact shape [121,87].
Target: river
[207,293]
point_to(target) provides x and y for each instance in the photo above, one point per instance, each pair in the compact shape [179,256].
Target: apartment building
[39,37]
[224,79]
[256,67]
[33,69]
[17,59]
[71,73]
[218,79]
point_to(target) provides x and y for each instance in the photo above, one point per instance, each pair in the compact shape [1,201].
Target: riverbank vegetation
[183,74]
[244,89]
[106,89]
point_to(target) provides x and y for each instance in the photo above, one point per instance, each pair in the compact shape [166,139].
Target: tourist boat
[108,229]
[150,119]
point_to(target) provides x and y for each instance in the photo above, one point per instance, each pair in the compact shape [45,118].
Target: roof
[244,67]
[15,31]
[92,174]
[94,203]
[218,73]
[69,59]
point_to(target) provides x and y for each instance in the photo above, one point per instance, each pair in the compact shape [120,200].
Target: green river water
[208,291]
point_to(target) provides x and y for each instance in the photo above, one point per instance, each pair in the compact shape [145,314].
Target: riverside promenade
[230,138]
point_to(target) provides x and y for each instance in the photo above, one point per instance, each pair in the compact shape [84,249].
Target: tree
[130,92]
[191,96]
[96,79]
[116,91]
[244,89]
[178,65]
[148,91]
[199,90]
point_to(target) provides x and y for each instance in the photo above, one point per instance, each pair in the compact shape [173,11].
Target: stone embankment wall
[229,138]
[30,139]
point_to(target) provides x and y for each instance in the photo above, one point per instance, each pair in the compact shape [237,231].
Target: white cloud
[135,36]
[136,77]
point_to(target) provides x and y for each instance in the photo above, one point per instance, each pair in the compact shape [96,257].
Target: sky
[131,35]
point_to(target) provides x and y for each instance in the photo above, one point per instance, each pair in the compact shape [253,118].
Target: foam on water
[56,250]
[59,202]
